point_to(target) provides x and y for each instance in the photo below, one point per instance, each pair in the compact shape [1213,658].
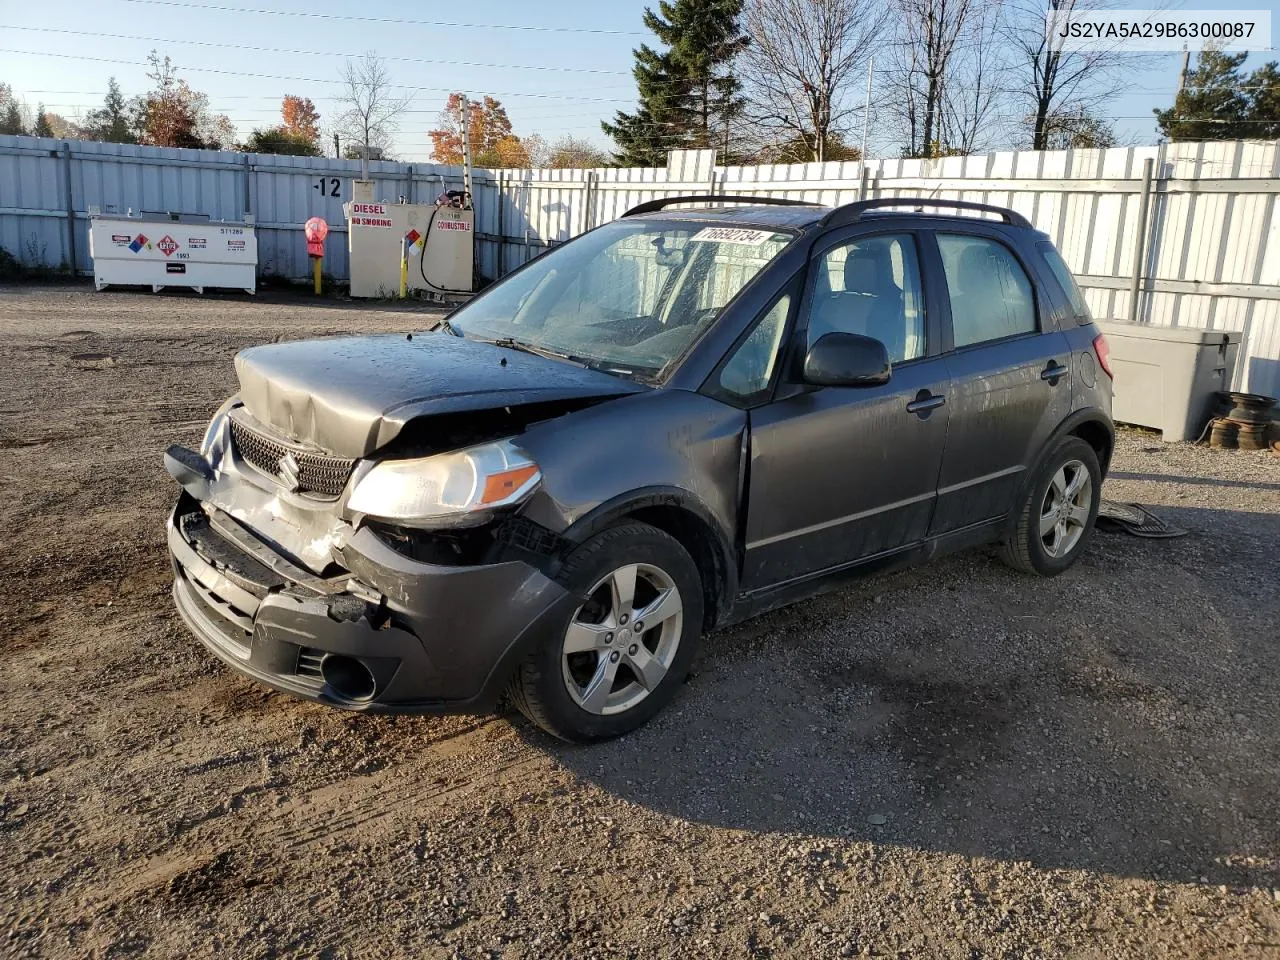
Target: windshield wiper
[512,344]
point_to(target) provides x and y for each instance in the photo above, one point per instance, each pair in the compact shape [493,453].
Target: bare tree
[974,101]
[936,38]
[1048,82]
[372,107]
[805,59]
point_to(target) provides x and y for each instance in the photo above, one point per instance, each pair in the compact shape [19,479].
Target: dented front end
[280,580]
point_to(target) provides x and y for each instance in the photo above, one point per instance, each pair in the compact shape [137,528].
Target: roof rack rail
[852,212]
[649,206]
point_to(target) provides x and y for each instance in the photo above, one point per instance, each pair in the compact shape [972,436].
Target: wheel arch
[1092,426]
[680,515]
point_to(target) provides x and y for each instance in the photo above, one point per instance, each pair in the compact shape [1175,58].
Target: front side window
[748,373]
[629,298]
[991,296]
[871,287]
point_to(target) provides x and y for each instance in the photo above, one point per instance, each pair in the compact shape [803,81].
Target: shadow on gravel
[1121,718]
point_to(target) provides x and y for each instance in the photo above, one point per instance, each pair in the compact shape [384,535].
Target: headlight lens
[448,484]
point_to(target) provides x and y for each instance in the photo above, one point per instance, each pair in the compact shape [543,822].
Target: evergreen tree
[1211,105]
[688,93]
[113,122]
[1264,103]
[10,112]
[42,127]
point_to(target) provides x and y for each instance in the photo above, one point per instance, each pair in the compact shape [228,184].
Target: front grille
[318,473]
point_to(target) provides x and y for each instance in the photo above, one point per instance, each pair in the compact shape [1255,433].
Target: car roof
[799,217]
[763,215]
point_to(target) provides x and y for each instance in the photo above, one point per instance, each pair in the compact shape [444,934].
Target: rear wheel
[624,651]
[1057,517]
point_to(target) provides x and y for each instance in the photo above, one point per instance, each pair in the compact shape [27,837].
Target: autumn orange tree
[493,144]
[171,114]
[297,135]
[301,119]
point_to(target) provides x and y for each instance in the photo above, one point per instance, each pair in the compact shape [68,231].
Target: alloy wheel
[1064,513]
[621,642]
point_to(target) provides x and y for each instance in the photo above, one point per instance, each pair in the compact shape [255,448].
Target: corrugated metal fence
[1209,249]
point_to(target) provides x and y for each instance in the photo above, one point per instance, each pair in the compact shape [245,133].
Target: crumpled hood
[352,395]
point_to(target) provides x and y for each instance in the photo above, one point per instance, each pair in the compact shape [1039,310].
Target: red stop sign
[316,229]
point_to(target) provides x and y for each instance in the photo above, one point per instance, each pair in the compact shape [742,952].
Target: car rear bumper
[390,635]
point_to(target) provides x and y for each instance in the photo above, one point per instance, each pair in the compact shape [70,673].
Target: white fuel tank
[438,245]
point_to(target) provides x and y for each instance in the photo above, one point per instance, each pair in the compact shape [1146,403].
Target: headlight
[448,485]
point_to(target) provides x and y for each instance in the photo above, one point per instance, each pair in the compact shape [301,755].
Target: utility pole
[1186,65]
[466,152]
[866,110]
[337,150]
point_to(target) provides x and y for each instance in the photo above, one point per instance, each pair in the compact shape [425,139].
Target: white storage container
[1166,377]
[159,250]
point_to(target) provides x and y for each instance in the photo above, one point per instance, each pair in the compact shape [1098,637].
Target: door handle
[925,402]
[1053,372]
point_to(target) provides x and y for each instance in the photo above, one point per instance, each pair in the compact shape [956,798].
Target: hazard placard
[167,245]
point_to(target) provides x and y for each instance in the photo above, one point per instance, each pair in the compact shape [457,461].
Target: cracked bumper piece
[390,635]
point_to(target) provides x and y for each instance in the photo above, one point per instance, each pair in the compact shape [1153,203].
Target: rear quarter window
[1062,273]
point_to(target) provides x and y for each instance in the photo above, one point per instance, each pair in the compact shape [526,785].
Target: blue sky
[560,78]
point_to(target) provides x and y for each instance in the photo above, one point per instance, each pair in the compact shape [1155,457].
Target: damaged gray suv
[673,422]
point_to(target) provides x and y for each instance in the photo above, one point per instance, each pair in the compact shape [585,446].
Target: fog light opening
[347,677]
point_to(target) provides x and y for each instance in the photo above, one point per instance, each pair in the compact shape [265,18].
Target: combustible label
[195,243]
[373,209]
[370,221]
[235,244]
[167,245]
[452,225]
[139,242]
[121,238]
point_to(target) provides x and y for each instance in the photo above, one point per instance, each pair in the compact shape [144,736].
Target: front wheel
[624,651]
[1057,517]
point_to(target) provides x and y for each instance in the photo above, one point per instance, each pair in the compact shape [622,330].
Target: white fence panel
[1211,242]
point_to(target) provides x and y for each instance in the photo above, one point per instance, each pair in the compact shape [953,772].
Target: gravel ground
[955,761]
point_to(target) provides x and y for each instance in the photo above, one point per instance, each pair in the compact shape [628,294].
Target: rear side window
[991,296]
[1062,273]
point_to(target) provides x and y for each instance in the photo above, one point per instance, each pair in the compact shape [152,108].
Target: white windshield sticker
[750,238]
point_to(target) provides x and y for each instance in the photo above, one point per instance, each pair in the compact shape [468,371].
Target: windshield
[629,297]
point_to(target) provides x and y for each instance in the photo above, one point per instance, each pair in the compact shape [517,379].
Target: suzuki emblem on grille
[287,470]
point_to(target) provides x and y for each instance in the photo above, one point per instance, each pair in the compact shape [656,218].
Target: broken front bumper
[386,634]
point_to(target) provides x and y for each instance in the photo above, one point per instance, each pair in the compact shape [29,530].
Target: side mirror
[846,360]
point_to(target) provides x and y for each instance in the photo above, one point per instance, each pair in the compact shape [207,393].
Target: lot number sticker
[750,238]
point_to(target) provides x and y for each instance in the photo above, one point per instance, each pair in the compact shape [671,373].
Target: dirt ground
[952,762]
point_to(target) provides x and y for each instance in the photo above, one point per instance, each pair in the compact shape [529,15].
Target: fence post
[862,181]
[502,226]
[71,209]
[1140,243]
[248,173]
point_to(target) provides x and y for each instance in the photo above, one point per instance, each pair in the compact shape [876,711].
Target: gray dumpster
[1166,377]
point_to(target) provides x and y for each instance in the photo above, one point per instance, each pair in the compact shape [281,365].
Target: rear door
[1009,368]
[839,474]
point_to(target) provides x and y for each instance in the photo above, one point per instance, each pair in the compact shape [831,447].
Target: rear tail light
[1103,350]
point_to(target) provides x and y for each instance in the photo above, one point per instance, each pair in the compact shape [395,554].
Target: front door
[1010,380]
[841,474]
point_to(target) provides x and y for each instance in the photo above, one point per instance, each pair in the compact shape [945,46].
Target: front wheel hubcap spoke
[648,669]
[596,693]
[666,606]
[622,587]
[585,637]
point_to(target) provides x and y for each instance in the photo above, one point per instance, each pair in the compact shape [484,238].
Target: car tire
[591,680]
[1056,518]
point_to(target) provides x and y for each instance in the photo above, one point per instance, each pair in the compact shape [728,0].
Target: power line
[310,53]
[391,20]
[273,76]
